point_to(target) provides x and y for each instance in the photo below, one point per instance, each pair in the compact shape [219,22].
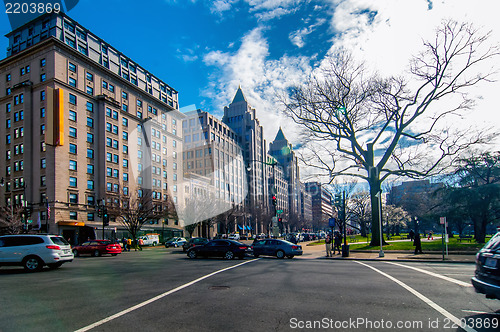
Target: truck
[150,239]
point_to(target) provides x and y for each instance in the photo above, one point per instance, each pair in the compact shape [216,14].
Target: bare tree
[136,210]
[11,220]
[360,212]
[362,125]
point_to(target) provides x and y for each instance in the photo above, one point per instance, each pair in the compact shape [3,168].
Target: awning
[239,227]
[71,223]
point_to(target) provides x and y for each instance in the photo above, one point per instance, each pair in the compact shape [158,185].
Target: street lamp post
[379,196]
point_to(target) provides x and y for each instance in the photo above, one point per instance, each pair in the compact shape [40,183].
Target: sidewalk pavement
[318,251]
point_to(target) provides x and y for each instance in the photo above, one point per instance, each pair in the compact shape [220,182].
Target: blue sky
[207,48]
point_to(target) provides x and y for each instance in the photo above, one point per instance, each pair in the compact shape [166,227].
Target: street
[161,289]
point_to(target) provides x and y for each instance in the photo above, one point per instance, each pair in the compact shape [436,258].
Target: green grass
[435,245]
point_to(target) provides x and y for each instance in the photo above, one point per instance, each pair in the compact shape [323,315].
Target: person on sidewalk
[129,244]
[337,242]
[328,245]
[431,237]
[418,244]
[124,242]
[411,235]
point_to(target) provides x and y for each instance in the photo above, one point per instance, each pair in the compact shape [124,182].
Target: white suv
[34,251]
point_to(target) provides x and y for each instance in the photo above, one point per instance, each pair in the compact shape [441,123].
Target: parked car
[278,248]
[234,236]
[34,251]
[195,241]
[175,242]
[97,248]
[150,239]
[220,248]
[487,277]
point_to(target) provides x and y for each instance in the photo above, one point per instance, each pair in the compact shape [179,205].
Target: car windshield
[494,243]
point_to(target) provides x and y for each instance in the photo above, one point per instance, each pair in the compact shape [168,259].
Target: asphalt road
[162,290]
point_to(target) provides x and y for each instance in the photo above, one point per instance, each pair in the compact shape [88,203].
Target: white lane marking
[458,282]
[422,297]
[142,304]
[481,312]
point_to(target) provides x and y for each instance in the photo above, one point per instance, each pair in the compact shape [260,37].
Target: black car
[278,248]
[487,276]
[195,241]
[220,248]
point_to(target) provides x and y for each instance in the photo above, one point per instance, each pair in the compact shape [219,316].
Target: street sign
[442,220]
[279,211]
[331,222]
[29,221]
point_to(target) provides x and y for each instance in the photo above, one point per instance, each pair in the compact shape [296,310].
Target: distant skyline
[206,49]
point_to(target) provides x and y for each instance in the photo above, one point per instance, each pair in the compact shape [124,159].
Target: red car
[97,248]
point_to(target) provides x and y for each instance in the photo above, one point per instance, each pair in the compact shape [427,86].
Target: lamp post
[379,196]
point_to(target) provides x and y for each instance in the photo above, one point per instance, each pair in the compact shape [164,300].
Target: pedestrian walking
[328,245]
[141,243]
[337,242]
[129,244]
[430,237]
[411,235]
[418,244]
[124,242]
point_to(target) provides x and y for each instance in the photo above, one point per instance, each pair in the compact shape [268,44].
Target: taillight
[242,248]
[295,247]
[53,247]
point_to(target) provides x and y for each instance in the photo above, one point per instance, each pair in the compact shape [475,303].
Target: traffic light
[280,219]
[99,212]
[105,218]
[338,200]
[274,200]
[27,211]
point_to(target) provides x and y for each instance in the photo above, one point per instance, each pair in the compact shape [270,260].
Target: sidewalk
[318,251]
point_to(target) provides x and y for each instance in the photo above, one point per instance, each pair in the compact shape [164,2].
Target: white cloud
[297,37]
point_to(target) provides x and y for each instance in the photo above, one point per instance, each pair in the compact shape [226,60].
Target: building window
[72,181]
[7,123]
[125,122]
[43,163]
[43,182]
[73,215]
[90,153]
[72,67]
[72,132]
[73,198]
[42,95]
[42,129]
[42,112]
[125,107]
[72,82]
[72,99]
[72,115]
[90,184]
[8,108]
[125,135]
[89,76]
[115,115]
[90,169]
[111,87]
[90,216]
[125,149]
[125,177]
[72,148]
[90,122]
[90,107]
[72,165]
[90,138]
[125,163]
[139,103]
[43,77]
[124,95]
[43,62]
[90,90]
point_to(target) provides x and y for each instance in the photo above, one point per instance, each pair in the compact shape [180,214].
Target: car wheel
[54,265]
[32,264]
[175,245]
[280,254]
[97,253]
[229,255]
[290,256]
[154,244]
[192,254]
[75,253]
